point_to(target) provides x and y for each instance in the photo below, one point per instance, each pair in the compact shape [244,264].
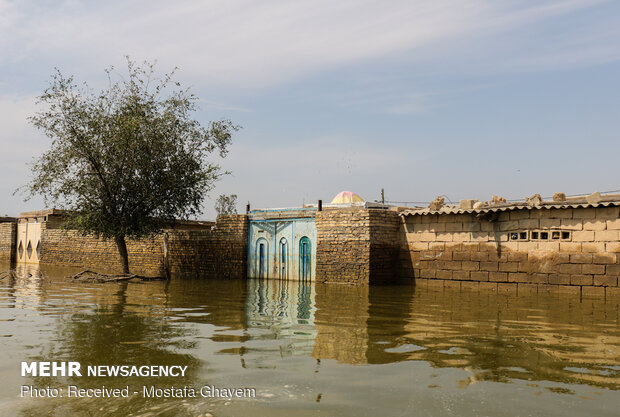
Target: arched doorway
[305,259]
[262,257]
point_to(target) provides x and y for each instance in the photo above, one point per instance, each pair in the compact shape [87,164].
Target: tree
[127,160]
[226,204]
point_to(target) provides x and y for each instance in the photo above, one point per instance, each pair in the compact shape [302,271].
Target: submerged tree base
[92,276]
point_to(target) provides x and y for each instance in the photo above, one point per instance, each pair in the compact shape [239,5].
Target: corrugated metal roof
[606,201]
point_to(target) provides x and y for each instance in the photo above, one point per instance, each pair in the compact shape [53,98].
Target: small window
[544,235]
[565,235]
[514,236]
[522,235]
[555,235]
[535,235]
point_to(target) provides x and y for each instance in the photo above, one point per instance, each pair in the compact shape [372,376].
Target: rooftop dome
[344,197]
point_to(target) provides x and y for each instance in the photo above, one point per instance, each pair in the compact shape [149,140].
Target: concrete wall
[357,246]
[219,252]
[535,249]
[8,230]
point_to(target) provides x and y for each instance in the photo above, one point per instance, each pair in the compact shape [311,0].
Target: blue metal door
[305,256]
[262,258]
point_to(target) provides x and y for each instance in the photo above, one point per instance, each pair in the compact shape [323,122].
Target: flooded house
[555,244]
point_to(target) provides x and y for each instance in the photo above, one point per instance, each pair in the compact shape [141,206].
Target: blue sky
[463,98]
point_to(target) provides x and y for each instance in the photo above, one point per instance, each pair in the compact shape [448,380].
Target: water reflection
[282,310]
[308,348]
[502,338]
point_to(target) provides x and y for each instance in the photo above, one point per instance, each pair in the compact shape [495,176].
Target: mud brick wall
[343,246]
[215,253]
[357,246]
[536,249]
[8,237]
[69,248]
[384,246]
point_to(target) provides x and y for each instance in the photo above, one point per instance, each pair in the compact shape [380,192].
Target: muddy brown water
[310,349]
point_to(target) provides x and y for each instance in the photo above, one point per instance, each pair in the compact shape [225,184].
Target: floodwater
[310,350]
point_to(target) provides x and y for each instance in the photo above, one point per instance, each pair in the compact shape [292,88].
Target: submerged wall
[219,251]
[357,246]
[61,247]
[8,233]
[535,249]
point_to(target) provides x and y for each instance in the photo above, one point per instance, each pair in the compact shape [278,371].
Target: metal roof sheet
[607,201]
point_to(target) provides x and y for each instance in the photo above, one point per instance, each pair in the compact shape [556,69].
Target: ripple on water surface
[312,350]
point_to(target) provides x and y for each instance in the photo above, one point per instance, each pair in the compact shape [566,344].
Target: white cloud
[19,143]
[250,43]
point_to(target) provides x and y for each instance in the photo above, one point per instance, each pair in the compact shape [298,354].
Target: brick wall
[213,253]
[357,246]
[8,232]
[534,249]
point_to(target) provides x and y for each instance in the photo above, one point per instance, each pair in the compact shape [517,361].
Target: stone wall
[61,247]
[343,246]
[217,253]
[536,249]
[384,246]
[212,253]
[357,246]
[8,233]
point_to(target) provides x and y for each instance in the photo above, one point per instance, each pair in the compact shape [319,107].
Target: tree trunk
[122,251]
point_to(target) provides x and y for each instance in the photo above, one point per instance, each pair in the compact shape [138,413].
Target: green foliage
[129,159]
[226,204]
